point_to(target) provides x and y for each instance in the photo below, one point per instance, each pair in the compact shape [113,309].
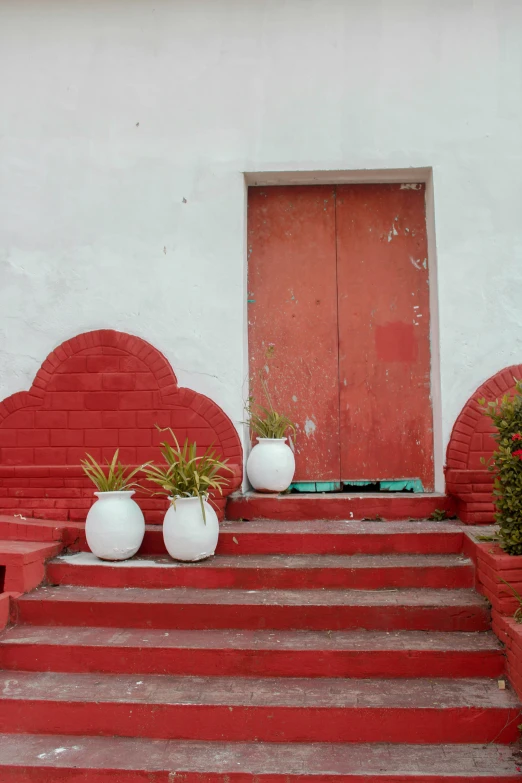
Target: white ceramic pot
[186,534]
[115,526]
[271,465]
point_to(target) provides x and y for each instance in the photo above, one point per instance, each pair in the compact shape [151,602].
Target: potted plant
[271,462]
[190,526]
[506,463]
[115,525]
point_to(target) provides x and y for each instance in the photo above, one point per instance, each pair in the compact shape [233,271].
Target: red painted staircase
[304,651]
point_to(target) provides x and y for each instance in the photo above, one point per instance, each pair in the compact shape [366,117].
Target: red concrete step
[256,572]
[266,710]
[191,608]
[344,537]
[348,537]
[336,505]
[19,528]
[22,563]
[51,758]
[252,653]
[5,606]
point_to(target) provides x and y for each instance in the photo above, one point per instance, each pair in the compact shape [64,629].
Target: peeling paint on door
[339,285]
[384,353]
[292,274]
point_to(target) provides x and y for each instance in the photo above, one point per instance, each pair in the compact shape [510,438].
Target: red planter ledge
[492,565]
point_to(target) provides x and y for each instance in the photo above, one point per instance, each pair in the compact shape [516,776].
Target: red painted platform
[5,605]
[258,572]
[235,653]
[333,505]
[322,537]
[49,758]
[266,710]
[293,655]
[18,528]
[342,537]
[194,608]
[24,563]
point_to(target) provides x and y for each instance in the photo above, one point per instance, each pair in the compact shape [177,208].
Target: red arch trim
[470,441]
[96,392]
[86,342]
[470,437]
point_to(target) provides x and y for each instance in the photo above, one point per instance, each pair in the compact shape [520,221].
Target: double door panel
[339,327]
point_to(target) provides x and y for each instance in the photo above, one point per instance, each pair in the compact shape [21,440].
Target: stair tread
[305,693]
[23,552]
[319,561]
[316,759]
[216,596]
[341,527]
[357,640]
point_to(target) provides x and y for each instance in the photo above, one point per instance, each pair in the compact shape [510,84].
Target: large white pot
[186,535]
[271,465]
[115,526]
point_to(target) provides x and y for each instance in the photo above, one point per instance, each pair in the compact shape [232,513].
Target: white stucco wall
[114,112]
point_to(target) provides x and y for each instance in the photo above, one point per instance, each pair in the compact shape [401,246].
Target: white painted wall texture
[126,126]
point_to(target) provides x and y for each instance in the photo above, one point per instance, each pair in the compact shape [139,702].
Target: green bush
[506,463]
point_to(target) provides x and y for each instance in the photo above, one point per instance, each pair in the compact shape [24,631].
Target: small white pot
[185,533]
[271,465]
[115,526]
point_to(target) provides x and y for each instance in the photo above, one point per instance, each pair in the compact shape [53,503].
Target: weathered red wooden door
[292,317]
[384,334]
[339,326]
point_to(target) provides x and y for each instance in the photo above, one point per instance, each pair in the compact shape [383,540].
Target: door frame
[353,177]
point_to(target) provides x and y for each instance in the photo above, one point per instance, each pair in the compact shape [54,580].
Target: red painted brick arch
[466,478]
[99,391]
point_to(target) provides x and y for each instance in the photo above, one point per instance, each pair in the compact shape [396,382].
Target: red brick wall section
[466,478]
[99,391]
[492,565]
[510,633]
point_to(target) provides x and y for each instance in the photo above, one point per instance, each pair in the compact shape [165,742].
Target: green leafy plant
[185,474]
[506,464]
[518,614]
[264,420]
[112,477]
[438,515]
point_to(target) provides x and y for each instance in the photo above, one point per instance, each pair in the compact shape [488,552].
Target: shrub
[506,463]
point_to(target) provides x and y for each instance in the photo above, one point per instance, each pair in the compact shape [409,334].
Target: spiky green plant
[186,474]
[518,613]
[113,477]
[265,421]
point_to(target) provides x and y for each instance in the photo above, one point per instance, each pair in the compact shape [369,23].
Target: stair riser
[294,508]
[320,543]
[201,616]
[259,578]
[52,775]
[265,724]
[250,663]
